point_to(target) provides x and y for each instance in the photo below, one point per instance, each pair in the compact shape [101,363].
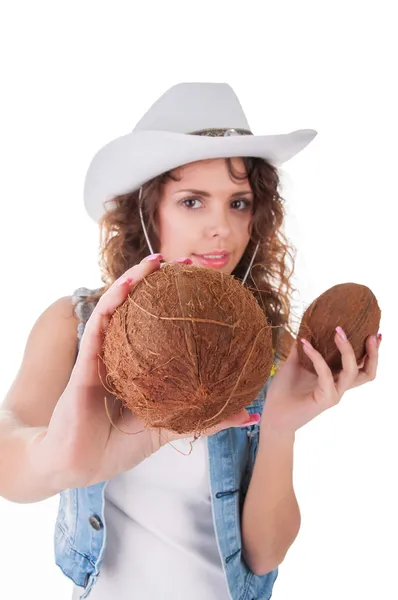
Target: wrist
[272,431]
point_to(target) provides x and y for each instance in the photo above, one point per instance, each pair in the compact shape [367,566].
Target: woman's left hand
[295,396]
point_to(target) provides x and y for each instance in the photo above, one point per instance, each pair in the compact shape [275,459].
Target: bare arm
[64,395]
[26,410]
[271,515]
[21,477]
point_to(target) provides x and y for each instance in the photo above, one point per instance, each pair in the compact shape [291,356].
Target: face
[206,214]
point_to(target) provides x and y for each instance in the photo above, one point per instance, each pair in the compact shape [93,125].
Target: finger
[185,260]
[240,419]
[349,372]
[325,377]
[369,370]
[93,337]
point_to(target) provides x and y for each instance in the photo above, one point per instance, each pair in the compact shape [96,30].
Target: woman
[137,518]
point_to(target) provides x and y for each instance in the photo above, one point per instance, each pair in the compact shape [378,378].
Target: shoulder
[60,311]
[48,359]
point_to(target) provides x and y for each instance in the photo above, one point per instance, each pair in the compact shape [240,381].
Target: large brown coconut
[352,306]
[188,348]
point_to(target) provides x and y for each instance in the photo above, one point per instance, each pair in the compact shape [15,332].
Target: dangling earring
[251,263]
[142,221]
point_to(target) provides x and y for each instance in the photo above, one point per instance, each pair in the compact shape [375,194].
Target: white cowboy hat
[190,122]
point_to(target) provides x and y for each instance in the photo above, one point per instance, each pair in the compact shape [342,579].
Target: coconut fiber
[352,306]
[189,348]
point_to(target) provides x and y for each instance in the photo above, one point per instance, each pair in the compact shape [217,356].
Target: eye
[246,203]
[189,200]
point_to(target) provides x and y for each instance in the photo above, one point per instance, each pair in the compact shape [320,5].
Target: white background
[74,76]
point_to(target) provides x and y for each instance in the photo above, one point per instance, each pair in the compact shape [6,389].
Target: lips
[215,263]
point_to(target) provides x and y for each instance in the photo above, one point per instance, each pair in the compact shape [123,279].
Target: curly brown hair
[123,244]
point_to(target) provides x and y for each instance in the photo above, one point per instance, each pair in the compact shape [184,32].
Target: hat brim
[129,161]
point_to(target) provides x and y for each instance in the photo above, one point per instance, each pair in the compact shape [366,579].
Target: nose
[220,225]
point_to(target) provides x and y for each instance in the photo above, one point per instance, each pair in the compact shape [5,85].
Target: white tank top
[161,543]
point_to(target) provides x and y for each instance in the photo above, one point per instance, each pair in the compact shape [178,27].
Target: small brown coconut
[189,348]
[352,306]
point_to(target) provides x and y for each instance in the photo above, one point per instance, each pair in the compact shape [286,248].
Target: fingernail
[184,260]
[341,333]
[124,281]
[254,419]
[153,257]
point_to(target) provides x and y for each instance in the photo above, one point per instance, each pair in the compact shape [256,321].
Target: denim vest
[80,529]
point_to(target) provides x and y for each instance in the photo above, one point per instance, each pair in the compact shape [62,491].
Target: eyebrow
[207,195]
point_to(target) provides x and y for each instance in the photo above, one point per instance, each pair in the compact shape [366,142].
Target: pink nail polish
[341,333]
[186,261]
[254,419]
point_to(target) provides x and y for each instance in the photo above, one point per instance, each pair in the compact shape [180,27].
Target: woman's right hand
[81,444]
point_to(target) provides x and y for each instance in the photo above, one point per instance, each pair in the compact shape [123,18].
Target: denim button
[95,522]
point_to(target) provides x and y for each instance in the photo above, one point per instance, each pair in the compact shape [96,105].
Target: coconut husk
[189,348]
[352,306]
